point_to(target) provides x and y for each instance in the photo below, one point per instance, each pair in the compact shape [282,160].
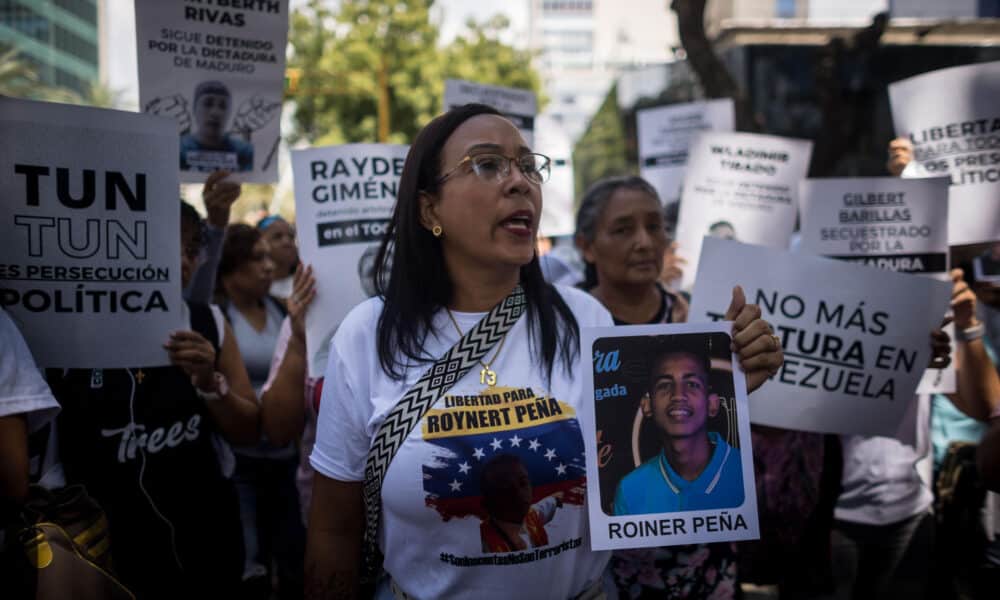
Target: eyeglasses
[491,168]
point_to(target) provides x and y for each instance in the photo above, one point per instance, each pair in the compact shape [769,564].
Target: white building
[584,44]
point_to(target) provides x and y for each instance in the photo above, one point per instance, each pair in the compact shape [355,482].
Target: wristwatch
[221,388]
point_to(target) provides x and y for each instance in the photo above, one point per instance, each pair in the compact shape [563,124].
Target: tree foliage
[374,71]
[600,152]
[479,55]
[20,79]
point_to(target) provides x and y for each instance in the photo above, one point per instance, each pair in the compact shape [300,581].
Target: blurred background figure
[280,237]
[273,534]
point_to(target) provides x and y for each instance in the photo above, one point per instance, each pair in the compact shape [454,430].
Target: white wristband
[970,333]
[221,389]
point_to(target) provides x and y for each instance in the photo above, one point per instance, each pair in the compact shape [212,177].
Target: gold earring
[437,231]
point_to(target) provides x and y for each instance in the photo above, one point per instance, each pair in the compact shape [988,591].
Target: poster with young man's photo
[218,70]
[667,437]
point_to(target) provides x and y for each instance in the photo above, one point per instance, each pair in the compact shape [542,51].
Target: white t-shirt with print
[448,531]
[22,388]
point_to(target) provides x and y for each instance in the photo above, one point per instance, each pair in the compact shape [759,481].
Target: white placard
[663,395]
[89,234]
[665,134]
[344,197]
[953,119]
[518,105]
[885,222]
[218,70]
[739,186]
[856,339]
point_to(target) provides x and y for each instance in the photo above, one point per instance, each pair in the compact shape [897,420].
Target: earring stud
[437,231]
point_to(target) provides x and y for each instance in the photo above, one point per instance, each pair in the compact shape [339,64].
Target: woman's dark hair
[415,283]
[237,249]
[592,206]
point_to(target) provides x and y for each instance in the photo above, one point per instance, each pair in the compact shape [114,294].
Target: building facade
[57,37]
[583,45]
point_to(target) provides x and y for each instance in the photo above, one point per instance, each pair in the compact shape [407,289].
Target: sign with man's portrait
[218,70]
[665,134]
[344,197]
[668,456]
[739,186]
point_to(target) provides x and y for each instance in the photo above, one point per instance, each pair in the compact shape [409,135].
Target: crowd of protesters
[232,474]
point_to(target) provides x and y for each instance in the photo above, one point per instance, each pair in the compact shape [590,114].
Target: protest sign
[856,339]
[344,197]
[952,118]
[518,105]
[885,222]
[218,70]
[739,186]
[665,134]
[657,391]
[89,233]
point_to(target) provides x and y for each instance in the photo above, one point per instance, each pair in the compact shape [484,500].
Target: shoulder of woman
[360,323]
[587,309]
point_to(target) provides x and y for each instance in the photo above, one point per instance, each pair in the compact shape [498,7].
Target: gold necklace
[487,376]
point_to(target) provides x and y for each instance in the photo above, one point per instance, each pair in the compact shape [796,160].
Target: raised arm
[282,399]
[219,195]
[978,382]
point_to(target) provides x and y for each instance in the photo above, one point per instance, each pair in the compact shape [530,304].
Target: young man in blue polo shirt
[697,469]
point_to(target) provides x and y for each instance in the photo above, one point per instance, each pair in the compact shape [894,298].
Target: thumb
[737,304]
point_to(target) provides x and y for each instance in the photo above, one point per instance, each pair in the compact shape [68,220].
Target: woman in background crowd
[147,444]
[265,473]
[280,238]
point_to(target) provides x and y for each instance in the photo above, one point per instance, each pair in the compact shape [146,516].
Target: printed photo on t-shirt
[510,458]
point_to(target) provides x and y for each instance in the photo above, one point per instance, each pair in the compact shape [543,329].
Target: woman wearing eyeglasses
[483,493]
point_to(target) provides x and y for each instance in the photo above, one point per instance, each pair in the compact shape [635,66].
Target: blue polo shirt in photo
[654,486]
